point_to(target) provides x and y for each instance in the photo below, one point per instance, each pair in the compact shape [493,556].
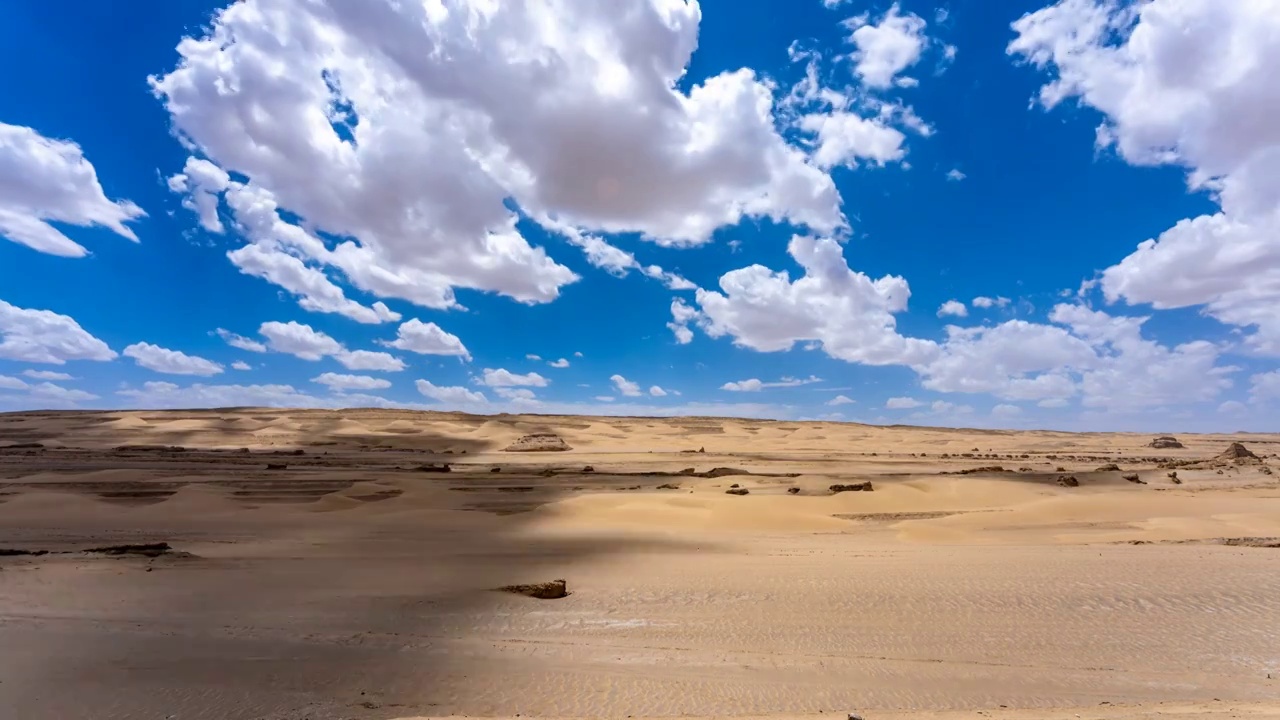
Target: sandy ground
[317,571]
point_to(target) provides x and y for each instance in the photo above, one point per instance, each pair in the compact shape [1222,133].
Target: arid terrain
[258,563]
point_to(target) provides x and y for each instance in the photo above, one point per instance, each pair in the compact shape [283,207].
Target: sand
[354,579]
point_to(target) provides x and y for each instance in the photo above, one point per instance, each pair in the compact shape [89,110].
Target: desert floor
[317,570]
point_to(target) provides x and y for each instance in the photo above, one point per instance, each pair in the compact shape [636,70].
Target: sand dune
[325,566]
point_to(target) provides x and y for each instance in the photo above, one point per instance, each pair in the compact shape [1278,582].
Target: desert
[262,563]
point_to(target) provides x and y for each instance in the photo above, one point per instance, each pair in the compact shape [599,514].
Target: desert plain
[290,564]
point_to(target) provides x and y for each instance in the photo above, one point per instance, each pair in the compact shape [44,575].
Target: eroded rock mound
[737,491]
[1165,442]
[1068,481]
[539,442]
[1236,453]
[553,590]
[852,487]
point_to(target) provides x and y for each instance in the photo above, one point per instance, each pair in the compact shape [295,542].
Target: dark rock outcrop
[1166,442]
[553,590]
[852,487]
[1068,481]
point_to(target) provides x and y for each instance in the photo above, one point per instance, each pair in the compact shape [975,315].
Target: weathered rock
[277,466]
[852,487]
[1165,442]
[588,468]
[793,491]
[1134,479]
[434,468]
[1109,468]
[1068,481]
[668,486]
[1236,452]
[538,442]
[495,469]
[737,491]
[553,590]
[734,485]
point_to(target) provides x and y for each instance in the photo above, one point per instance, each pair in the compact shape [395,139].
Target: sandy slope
[350,584]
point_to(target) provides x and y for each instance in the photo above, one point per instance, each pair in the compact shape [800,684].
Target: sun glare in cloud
[671,234]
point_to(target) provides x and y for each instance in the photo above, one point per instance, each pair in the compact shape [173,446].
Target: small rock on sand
[852,487]
[793,491]
[1134,479]
[1068,481]
[538,442]
[553,590]
[1109,468]
[737,491]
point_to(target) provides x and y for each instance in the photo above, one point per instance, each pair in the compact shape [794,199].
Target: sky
[1018,215]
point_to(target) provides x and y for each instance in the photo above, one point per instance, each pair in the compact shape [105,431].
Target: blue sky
[426,206]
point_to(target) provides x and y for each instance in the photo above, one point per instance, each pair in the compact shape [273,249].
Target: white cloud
[605,398]
[341,383]
[369,360]
[1006,412]
[1233,407]
[315,290]
[841,400]
[953,307]
[47,375]
[986,303]
[168,395]
[577,354]
[12,383]
[681,315]
[561,363]
[172,362]
[850,314]
[517,394]
[844,138]
[239,341]
[756,385]
[505,378]
[887,48]
[43,336]
[955,175]
[43,180]
[454,395]
[902,403]
[39,396]
[833,4]
[1184,83]
[299,340]
[429,339]
[533,357]
[1265,387]
[624,386]
[418,188]
[656,391]
[240,365]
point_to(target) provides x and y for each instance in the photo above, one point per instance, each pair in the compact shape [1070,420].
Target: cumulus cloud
[625,386]
[43,181]
[886,48]
[531,356]
[172,362]
[955,175]
[604,139]
[953,307]
[43,336]
[16,393]
[169,395]
[453,395]
[314,289]
[561,363]
[302,341]
[841,400]
[428,339]
[239,341]
[240,365]
[299,340]
[902,403]
[1265,387]
[756,385]
[341,383]
[522,395]
[47,375]
[657,391]
[1006,412]
[681,315]
[848,313]
[505,378]
[986,303]
[1184,83]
